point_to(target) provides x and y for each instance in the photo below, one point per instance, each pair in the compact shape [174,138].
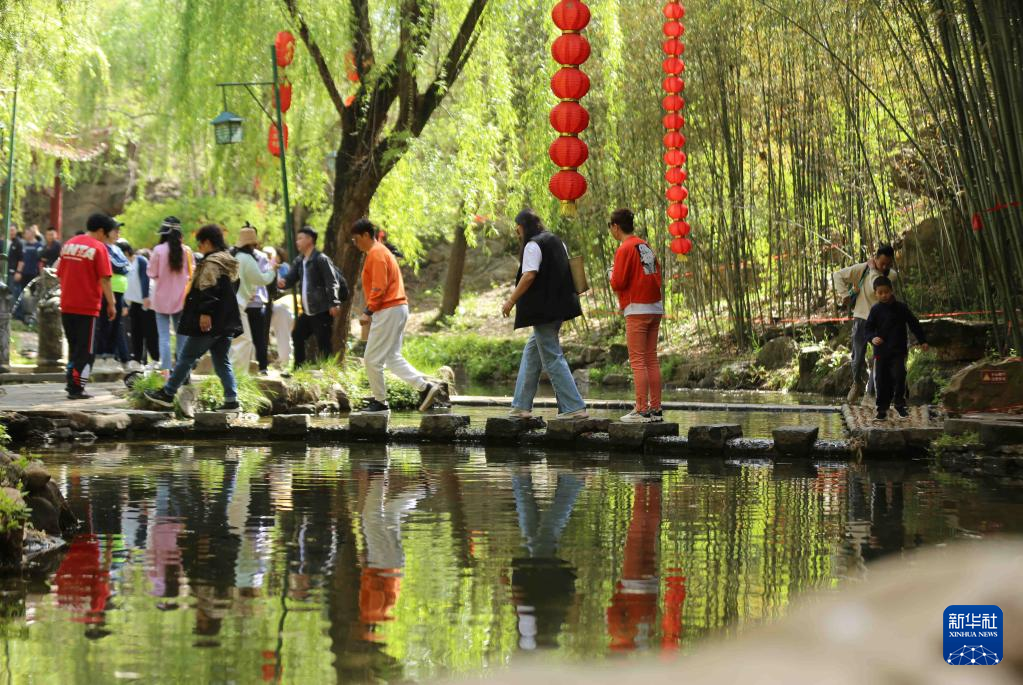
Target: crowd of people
[222,300]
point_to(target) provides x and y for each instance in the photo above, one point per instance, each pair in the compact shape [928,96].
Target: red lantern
[284,48]
[570,84]
[570,49]
[349,100]
[674,139]
[674,47]
[673,103]
[978,223]
[676,176]
[673,65]
[674,11]
[679,229]
[678,211]
[273,143]
[673,84]
[568,186]
[285,92]
[569,117]
[674,158]
[681,245]
[673,121]
[569,152]
[673,29]
[677,194]
[571,15]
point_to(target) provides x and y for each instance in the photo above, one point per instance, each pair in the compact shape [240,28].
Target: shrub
[13,515]
[484,358]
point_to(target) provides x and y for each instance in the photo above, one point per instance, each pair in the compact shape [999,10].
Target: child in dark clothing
[886,331]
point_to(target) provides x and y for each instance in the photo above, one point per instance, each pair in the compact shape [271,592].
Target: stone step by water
[368,426]
[442,426]
[994,430]
[291,424]
[511,428]
[633,435]
[713,436]
[567,430]
[209,421]
[795,441]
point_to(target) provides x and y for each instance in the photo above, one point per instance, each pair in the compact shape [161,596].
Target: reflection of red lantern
[284,48]
[568,152]
[679,229]
[673,103]
[676,176]
[674,11]
[569,117]
[571,15]
[677,194]
[570,49]
[673,65]
[273,143]
[673,84]
[568,186]
[674,158]
[570,84]
[285,92]
[673,121]
[681,245]
[674,139]
[674,47]
[678,211]
[673,29]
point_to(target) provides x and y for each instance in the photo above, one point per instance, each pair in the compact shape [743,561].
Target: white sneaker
[581,414]
[133,366]
[635,417]
[520,414]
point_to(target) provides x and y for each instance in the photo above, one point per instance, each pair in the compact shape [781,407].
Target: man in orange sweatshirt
[636,278]
[387,312]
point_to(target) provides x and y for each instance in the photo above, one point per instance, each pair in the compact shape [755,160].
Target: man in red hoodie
[636,279]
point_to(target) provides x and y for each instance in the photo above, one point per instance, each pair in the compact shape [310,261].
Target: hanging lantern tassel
[569,118]
[674,140]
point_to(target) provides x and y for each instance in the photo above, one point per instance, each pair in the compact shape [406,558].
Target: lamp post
[5,299]
[227,128]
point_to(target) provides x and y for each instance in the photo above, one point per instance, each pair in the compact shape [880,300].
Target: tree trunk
[456,270]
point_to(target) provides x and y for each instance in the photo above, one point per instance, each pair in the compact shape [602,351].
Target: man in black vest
[544,298]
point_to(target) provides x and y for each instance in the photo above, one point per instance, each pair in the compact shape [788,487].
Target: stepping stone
[714,436]
[567,430]
[505,427]
[626,435]
[884,441]
[993,432]
[442,426]
[795,441]
[212,421]
[291,424]
[372,426]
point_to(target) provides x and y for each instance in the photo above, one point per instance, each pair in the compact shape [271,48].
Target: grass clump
[209,393]
[949,442]
[13,515]
[484,358]
[320,379]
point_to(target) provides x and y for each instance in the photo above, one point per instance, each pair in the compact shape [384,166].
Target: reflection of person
[857,282]
[544,298]
[542,584]
[886,330]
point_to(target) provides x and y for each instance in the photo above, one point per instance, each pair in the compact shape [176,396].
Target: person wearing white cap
[253,277]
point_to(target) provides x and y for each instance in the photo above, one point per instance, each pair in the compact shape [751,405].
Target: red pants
[641,337]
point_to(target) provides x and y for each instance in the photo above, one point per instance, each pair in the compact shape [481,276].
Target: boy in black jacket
[886,331]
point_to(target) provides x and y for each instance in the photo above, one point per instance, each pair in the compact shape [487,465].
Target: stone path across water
[48,396]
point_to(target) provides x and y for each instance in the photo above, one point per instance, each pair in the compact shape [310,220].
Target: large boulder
[777,353]
[952,340]
[986,386]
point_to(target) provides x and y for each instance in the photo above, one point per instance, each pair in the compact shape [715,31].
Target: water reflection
[296,564]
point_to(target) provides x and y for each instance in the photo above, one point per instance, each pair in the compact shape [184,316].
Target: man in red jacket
[636,279]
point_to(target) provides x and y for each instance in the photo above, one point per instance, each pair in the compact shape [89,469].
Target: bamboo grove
[817,129]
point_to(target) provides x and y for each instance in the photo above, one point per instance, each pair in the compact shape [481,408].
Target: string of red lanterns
[674,122]
[569,118]
[284,49]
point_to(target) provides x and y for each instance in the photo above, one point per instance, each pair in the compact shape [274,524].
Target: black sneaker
[80,395]
[655,416]
[427,395]
[160,398]
[881,415]
[375,407]
[230,406]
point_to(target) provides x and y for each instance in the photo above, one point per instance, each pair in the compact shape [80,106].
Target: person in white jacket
[251,277]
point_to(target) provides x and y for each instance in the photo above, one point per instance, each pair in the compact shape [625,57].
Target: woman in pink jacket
[170,269]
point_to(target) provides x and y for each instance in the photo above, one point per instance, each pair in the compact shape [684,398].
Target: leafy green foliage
[13,515]
[924,365]
[251,397]
[350,376]
[949,442]
[484,358]
[5,437]
[142,218]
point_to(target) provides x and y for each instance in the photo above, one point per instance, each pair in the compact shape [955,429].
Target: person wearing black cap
[84,272]
[323,290]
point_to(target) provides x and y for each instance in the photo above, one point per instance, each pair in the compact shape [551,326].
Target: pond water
[217,564]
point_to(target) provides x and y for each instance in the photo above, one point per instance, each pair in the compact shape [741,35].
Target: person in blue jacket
[145,342]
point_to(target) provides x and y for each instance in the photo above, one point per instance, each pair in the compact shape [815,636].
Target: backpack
[342,285]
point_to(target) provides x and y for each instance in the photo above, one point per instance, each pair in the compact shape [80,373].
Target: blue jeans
[543,351]
[195,347]
[163,333]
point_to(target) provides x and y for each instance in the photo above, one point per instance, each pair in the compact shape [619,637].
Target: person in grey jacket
[323,290]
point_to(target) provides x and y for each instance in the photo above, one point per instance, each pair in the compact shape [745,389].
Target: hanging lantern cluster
[284,50]
[569,118]
[674,122]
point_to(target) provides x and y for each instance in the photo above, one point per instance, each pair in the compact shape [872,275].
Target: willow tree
[390,106]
